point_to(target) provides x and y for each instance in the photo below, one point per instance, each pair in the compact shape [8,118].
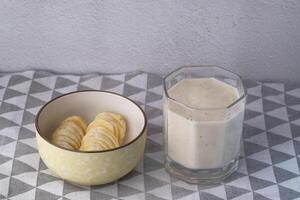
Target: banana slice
[70,133]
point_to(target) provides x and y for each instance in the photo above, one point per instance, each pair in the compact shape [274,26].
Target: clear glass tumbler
[202,145]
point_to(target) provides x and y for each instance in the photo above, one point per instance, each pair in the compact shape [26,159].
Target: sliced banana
[70,133]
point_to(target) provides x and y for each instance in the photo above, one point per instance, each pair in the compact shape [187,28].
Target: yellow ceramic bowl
[95,167]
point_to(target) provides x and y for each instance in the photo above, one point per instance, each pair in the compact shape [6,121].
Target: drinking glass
[202,145]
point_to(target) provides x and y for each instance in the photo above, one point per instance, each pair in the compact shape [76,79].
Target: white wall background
[260,39]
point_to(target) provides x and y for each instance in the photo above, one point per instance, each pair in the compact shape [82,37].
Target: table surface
[269,164]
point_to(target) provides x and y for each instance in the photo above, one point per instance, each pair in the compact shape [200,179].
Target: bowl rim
[81,91]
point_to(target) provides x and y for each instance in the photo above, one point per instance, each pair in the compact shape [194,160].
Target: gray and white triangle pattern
[269,164]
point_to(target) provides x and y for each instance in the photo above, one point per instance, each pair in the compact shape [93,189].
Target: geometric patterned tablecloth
[269,164]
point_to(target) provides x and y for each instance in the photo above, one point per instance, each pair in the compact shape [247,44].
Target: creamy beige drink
[203,139]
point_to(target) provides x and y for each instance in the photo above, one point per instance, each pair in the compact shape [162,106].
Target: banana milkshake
[211,142]
[203,128]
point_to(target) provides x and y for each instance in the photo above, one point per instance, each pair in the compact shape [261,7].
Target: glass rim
[204,109]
